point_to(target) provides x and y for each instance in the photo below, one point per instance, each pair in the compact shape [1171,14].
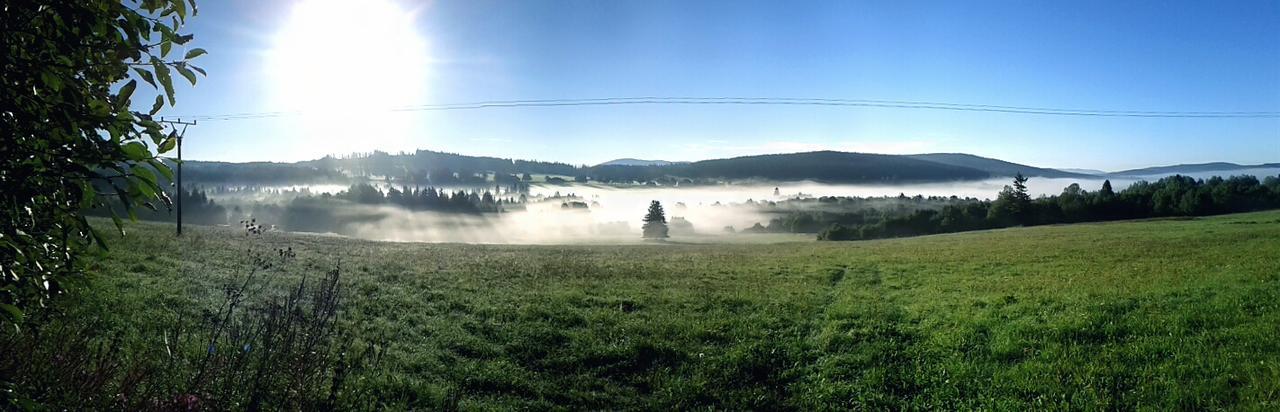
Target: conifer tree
[655,222]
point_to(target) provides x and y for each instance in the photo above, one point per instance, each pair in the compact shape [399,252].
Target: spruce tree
[1013,204]
[1020,189]
[655,222]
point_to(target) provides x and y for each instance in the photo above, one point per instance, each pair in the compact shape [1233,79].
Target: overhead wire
[772,101]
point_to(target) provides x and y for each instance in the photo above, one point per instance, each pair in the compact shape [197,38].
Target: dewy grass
[1158,314]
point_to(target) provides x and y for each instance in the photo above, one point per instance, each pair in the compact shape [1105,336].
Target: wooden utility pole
[175,124]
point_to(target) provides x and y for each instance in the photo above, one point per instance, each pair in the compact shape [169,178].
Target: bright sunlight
[343,64]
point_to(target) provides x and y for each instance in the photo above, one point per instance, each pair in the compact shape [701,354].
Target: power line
[778,101]
[179,136]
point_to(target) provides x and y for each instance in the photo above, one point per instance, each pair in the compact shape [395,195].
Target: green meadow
[1156,314]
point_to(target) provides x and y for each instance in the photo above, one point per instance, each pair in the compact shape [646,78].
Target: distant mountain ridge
[1094,172]
[832,166]
[442,168]
[995,167]
[1193,168]
[627,161]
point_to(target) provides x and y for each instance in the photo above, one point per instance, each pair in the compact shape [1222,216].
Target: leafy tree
[655,222]
[71,141]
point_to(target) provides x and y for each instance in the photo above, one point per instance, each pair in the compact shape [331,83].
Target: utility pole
[175,124]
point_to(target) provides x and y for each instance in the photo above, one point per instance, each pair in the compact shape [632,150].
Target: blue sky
[1106,55]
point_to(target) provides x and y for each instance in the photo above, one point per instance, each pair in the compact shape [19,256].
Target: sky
[340,67]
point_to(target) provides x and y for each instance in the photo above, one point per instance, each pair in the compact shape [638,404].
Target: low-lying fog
[614,213]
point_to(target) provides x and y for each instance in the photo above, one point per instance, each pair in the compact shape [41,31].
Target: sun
[343,65]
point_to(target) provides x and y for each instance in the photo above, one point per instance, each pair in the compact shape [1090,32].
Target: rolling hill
[627,161]
[1193,168]
[829,166]
[824,166]
[995,167]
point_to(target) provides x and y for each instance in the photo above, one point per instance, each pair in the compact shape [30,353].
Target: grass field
[1163,314]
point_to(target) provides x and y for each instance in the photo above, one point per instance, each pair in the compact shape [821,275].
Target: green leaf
[116,220]
[197,68]
[146,189]
[122,98]
[136,151]
[13,312]
[51,80]
[166,32]
[182,69]
[145,174]
[87,193]
[180,6]
[93,233]
[155,108]
[168,144]
[165,46]
[164,197]
[163,168]
[146,76]
[162,74]
[194,53]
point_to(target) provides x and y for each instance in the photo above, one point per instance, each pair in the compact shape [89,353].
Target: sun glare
[343,64]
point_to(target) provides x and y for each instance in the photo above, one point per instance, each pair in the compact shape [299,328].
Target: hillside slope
[637,162]
[1193,168]
[995,167]
[829,166]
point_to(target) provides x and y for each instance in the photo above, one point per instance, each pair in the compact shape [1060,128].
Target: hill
[259,172]
[432,167]
[422,163]
[1166,314]
[637,162]
[1094,172]
[829,166]
[1193,168]
[995,167]
[440,167]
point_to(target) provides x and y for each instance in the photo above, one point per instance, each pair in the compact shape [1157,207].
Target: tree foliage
[1171,196]
[1013,204]
[655,222]
[70,75]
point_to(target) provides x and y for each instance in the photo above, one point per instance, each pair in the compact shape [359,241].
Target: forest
[1174,196]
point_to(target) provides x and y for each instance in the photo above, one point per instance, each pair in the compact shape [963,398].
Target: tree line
[429,198]
[1168,197]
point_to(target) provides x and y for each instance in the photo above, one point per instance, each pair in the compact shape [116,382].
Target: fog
[613,213]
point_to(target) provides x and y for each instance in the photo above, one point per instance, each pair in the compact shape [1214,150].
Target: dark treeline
[425,167]
[429,198]
[1171,196]
[813,215]
[197,209]
[325,212]
[425,161]
[335,212]
[259,173]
